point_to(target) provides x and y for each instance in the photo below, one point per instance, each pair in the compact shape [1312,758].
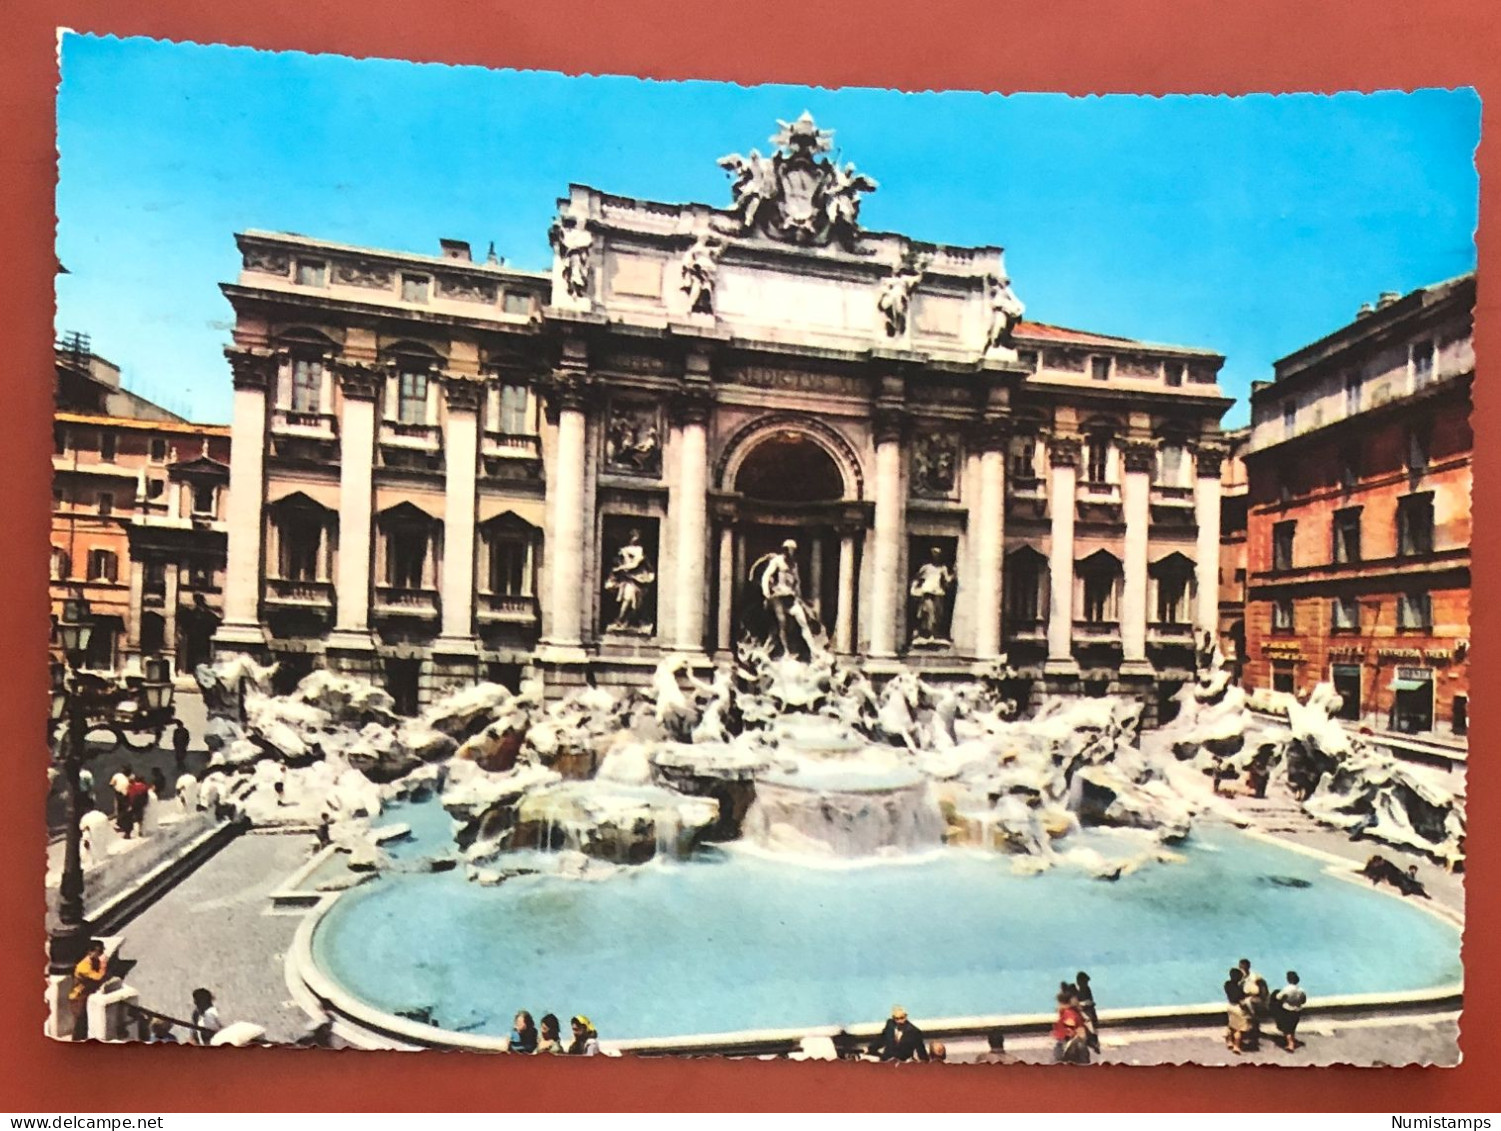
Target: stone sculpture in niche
[895,298]
[633,440]
[631,577]
[572,242]
[930,590]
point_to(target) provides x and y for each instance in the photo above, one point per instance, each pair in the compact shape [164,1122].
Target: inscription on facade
[767,377]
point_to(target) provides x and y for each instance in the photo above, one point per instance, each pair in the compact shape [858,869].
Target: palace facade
[445,467]
[1359,519]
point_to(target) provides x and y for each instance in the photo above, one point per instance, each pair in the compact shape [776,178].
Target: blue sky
[1249,226]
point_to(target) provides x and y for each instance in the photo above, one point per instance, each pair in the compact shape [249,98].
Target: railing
[1098,492]
[1029,630]
[298,593]
[1029,487]
[1163,495]
[1170,632]
[322,424]
[512,445]
[399,600]
[397,433]
[503,608]
[1096,631]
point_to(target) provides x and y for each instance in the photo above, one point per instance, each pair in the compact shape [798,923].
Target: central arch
[814,445]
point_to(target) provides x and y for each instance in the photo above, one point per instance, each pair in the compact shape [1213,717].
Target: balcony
[1164,496]
[287,593]
[1032,630]
[1026,497]
[399,601]
[1097,632]
[511,455]
[1170,633]
[415,437]
[314,425]
[501,608]
[1099,501]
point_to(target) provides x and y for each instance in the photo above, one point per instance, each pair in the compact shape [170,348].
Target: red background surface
[1077,46]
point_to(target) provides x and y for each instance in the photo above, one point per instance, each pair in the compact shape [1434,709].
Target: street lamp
[85,703]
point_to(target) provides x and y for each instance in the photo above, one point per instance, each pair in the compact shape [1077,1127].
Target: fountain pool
[731,941]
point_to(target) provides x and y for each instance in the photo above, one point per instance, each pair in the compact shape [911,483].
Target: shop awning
[1410,684]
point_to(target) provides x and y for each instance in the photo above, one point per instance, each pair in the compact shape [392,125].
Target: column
[137,605]
[461,457]
[891,513]
[1136,497]
[726,634]
[988,525]
[245,513]
[813,593]
[1063,475]
[1207,514]
[357,425]
[169,610]
[688,501]
[844,625]
[565,485]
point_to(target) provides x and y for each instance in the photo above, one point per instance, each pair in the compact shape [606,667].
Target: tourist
[88,975]
[1287,1010]
[547,1038]
[161,1032]
[1411,885]
[1258,998]
[1237,1013]
[996,1039]
[180,749]
[85,789]
[900,1040]
[585,1037]
[938,1051]
[1087,1009]
[205,1019]
[120,784]
[158,783]
[1070,1034]
[523,1033]
[323,833]
[1257,776]
[138,796]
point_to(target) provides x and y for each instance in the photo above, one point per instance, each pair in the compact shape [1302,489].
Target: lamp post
[82,703]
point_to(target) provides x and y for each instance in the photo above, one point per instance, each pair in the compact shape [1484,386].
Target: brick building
[1358,531]
[1233,573]
[138,498]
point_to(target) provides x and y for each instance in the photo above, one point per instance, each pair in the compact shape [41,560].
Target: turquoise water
[732,941]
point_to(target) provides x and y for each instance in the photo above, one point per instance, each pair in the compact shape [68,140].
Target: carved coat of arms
[796,195]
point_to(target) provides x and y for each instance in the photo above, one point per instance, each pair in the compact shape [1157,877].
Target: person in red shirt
[137,797]
[1070,1035]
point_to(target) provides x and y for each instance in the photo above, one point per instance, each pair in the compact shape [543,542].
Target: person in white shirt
[1287,1010]
[206,1020]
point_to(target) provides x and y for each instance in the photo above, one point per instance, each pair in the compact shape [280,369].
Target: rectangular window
[1098,465]
[205,498]
[1282,615]
[1172,600]
[411,400]
[1349,469]
[103,565]
[1099,368]
[106,503]
[1173,371]
[1289,419]
[155,579]
[1422,364]
[1352,394]
[1461,714]
[515,410]
[312,273]
[406,554]
[1024,457]
[307,384]
[1099,589]
[1283,678]
[300,535]
[1347,536]
[155,488]
[1415,525]
[517,303]
[1414,611]
[1170,466]
[158,450]
[1282,545]
[1346,680]
[509,575]
[1023,583]
[59,440]
[107,446]
[414,288]
[1345,614]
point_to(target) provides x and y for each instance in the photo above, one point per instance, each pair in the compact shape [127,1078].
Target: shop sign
[1282,651]
[1399,653]
[1419,675]
[1347,652]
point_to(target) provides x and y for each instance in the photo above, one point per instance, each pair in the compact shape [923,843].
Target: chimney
[1365,311]
[1386,299]
[456,249]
